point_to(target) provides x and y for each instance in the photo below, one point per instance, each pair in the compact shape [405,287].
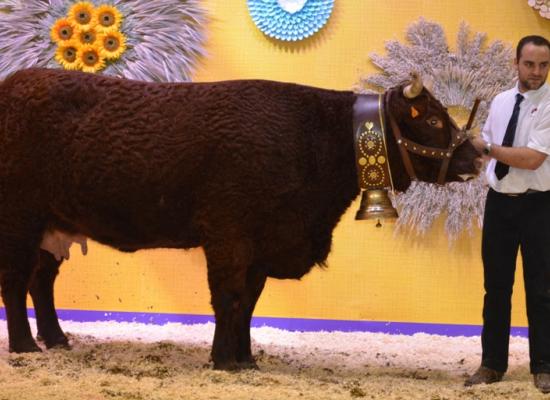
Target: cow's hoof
[248,365]
[235,366]
[29,347]
[62,345]
[58,342]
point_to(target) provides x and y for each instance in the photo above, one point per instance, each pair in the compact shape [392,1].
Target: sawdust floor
[111,360]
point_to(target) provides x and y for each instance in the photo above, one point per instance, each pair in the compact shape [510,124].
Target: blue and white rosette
[290,20]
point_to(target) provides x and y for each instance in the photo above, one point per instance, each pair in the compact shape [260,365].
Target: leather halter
[407,146]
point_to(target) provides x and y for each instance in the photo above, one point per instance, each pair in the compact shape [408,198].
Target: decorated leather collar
[371,153]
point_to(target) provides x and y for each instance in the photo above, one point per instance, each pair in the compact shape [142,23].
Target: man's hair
[534,39]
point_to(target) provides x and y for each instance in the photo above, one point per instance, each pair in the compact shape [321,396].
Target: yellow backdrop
[372,274]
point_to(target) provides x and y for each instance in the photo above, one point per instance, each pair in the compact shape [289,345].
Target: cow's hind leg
[17,264]
[234,289]
[255,283]
[42,293]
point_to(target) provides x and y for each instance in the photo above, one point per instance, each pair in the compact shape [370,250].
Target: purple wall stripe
[290,324]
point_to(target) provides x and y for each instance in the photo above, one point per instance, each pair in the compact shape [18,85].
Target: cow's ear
[414,112]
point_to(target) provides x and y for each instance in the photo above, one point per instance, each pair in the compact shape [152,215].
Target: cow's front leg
[233,300]
[229,313]
[42,293]
[15,274]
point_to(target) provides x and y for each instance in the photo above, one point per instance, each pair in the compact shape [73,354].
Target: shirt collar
[534,95]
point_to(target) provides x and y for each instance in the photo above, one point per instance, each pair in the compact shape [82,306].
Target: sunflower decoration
[146,40]
[63,31]
[66,56]
[113,44]
[82,15]
[88,36]
[108,18]
[90,59]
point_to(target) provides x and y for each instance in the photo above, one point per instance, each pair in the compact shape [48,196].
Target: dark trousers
[512,223]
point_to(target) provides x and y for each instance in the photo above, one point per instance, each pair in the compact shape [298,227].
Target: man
[516,140]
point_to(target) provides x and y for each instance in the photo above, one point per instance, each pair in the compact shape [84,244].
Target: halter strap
[407,146]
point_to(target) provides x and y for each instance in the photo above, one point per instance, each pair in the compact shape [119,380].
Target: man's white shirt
[533,131]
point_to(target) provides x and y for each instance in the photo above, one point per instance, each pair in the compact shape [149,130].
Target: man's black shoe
[542,382]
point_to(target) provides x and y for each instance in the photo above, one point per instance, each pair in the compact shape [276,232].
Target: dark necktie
[502,169]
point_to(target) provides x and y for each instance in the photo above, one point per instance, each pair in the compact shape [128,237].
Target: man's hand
[479,144]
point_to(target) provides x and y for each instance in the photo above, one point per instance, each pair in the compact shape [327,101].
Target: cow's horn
[414,88]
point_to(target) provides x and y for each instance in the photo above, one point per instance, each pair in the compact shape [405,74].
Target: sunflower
[112,45]
[107,18]
[66,55]
[90,58]
[62,31]
[87,36]
[81,14]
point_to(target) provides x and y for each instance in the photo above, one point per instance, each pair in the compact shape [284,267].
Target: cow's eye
[435,122]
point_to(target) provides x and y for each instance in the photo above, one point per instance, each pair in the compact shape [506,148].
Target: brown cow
[256,172]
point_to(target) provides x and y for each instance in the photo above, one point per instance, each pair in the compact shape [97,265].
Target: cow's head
[428,145]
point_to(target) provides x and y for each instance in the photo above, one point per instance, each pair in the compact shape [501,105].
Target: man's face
[533,66]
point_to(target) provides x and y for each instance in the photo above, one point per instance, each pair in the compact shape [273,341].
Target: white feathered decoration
[458,77]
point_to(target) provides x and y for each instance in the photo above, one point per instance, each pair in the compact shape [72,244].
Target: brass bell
[375,204]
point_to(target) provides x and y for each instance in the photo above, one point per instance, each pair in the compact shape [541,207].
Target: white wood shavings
[132,361]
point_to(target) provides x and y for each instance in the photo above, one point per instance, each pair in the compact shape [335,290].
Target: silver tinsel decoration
[164,37]
[457,78]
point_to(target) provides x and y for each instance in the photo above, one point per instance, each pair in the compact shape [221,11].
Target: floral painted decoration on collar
[290,20]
